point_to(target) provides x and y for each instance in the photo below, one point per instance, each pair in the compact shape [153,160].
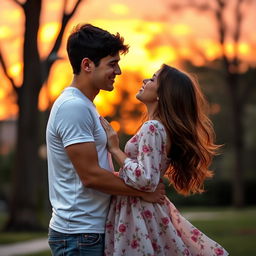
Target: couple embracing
[96,211]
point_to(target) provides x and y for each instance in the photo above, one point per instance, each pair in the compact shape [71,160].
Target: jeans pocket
[90,239]
[57,246]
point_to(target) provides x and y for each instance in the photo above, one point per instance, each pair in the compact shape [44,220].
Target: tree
[23,201]
[238,91]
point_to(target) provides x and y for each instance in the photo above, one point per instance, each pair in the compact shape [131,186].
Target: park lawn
[44,253]
[234,229]
[14,237]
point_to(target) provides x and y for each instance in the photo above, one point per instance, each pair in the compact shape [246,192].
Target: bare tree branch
[219,15]
[53,55]
[237,32]
[64,22]
[75,8]
[2,62]
[18,3]
[222,31]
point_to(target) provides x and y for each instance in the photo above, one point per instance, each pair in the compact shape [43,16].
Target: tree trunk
[238,177]
[23,205]
[23,201]
[238,138]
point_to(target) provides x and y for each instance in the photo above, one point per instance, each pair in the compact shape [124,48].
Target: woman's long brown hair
[181,109]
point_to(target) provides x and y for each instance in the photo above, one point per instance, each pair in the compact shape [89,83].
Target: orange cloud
[119,9]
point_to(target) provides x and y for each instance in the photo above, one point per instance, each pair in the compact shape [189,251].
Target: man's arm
[85,160]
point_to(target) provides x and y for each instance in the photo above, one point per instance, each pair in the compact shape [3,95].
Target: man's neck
[84,86]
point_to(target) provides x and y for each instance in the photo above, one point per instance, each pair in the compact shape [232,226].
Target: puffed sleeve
[143,173]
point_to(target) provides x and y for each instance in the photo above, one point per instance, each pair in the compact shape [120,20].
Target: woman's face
[148,91]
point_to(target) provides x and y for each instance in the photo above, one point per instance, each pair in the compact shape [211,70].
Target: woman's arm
[144,172]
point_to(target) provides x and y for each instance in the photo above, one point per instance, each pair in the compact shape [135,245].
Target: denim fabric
[86,244]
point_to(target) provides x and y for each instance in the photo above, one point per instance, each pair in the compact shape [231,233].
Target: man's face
[103,76]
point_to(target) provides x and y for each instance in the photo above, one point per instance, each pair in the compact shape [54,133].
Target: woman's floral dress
[137,228]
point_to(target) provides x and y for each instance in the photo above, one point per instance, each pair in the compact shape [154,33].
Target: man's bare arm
[85,160]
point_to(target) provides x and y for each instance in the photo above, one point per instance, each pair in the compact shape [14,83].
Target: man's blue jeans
[89,244]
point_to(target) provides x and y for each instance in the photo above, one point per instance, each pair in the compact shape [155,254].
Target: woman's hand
[113,140]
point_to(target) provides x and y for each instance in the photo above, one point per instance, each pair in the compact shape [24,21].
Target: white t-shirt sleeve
[74,123]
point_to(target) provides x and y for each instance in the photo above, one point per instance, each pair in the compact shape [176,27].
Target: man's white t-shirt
[76,209]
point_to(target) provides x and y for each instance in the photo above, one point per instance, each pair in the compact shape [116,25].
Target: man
[79,167]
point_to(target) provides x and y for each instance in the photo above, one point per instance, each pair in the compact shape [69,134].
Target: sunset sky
[155,34]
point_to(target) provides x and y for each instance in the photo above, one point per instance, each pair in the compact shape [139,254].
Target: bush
[218,193]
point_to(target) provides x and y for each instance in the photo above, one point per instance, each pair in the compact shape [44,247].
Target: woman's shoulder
[153,122]
[152,126]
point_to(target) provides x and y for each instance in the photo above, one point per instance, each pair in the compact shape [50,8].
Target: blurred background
[214,40]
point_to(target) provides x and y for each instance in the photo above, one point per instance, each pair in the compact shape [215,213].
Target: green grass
[14,237]
[45,253]
[234,229]
[3,218]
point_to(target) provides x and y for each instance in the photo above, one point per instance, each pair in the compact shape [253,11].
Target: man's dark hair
[94,43]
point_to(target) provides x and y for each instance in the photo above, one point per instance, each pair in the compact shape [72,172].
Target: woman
[176,141]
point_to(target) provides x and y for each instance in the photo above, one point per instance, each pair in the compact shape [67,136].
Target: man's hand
[158,196]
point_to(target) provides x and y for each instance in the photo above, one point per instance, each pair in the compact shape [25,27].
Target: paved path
[38,245]
[201,215]
[24,248]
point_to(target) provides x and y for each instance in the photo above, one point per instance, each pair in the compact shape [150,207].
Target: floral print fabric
[137,228]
